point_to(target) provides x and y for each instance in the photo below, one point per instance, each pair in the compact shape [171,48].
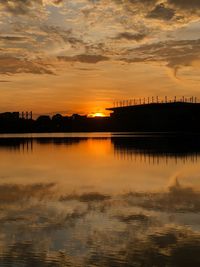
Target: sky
[78,56]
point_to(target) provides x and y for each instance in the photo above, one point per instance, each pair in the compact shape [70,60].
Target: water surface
[99,199]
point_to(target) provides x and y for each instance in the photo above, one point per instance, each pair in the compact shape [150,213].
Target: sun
[97,114]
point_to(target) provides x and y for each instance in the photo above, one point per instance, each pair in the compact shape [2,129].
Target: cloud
[128,30]
[161,12]
[84,58]
[174,53]
[27,7]
[14,65]
[142,218]
[185,4]
[53,2]
[131,36]
[12,38]
[21,7]
[177,11]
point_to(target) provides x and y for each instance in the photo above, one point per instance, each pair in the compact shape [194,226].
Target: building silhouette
[157,117]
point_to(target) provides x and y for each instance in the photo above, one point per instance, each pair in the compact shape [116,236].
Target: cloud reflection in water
[46,224]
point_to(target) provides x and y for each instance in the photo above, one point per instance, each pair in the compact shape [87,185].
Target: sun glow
[97,114]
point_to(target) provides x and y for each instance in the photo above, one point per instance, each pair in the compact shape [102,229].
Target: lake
[99,199]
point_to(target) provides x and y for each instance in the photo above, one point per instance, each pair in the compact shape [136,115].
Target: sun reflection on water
[81,202]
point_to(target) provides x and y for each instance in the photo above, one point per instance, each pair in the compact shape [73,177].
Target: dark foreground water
[99,200]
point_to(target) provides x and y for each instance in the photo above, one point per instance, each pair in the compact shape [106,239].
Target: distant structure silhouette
[154,114]
[151,100]
[26,115]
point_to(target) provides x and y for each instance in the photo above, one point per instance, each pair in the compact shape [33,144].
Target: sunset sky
[78,56]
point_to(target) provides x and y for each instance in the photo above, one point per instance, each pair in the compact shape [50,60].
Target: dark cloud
[181,10]
[57,2]
[175,54]
[131,36]
[144,2]
[13,65]
[21,7]
[56,34]
[191,4]
[12,38]
[141,218]
[185,4]
[84,58]
[27,7]
[161,12]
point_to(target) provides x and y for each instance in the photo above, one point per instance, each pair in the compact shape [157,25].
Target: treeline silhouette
[153,117]
[10,122]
